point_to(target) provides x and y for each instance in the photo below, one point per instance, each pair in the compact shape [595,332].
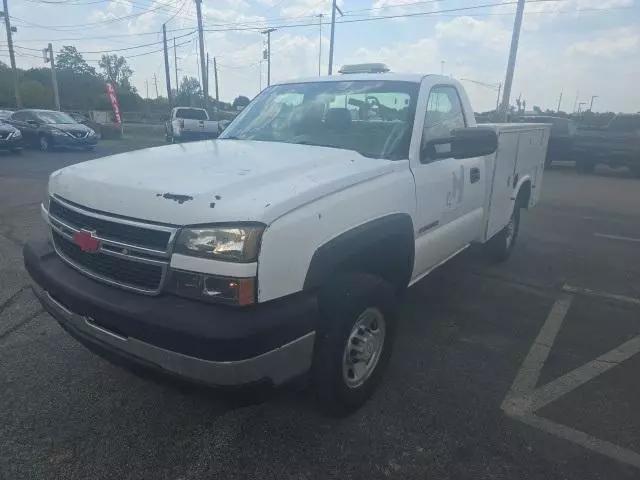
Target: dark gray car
[48,129]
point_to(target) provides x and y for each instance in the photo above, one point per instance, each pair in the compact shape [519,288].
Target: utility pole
[515,37]
[205,83]
[215,76]
[498,98]
[334,7]
[320,45]
[54,80]
[575,102]
[559,101]
[12,57]
[442,62]
[146,86]
[155,80]
[591,104]
[580,106]
[166,63]
[207,67]
[175,63]
[268,32]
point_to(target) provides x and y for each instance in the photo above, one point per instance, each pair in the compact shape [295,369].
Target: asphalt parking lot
[525,370]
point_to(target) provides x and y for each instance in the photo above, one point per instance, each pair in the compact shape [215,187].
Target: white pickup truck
[279,250]
[188,123]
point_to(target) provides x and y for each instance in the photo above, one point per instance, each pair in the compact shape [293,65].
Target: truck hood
[213,181]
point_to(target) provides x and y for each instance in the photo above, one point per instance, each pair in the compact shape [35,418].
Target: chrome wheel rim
[364,347]
[44,144]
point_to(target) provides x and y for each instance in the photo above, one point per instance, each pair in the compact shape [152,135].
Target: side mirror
[463,143]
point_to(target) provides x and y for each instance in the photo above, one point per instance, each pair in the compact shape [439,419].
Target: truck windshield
[191,114]
[373,118]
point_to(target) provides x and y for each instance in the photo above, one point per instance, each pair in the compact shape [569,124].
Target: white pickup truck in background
[188,123]
[280,249]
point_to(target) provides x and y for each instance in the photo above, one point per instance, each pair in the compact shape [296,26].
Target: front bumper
[11,143]
[69,141]
[206,343]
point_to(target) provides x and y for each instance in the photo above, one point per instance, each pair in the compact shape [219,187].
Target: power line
[113,49]
[25,54]
[90,24]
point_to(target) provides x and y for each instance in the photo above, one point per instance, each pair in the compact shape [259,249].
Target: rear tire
[501,245]
[354,343]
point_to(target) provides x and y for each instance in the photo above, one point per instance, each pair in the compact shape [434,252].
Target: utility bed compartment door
[522,149]
[503,166]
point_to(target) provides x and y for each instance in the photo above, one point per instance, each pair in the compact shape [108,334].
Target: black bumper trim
[188,327]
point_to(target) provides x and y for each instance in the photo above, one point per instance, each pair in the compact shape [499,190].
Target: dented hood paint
[213,181]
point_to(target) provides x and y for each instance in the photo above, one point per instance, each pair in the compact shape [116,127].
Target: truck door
[449,192]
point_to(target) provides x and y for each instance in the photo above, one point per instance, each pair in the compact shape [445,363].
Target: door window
[444,113]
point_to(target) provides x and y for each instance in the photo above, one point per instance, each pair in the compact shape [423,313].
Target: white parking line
[581,375]
[596,293]
[617,237]
[603,447]
[523,398]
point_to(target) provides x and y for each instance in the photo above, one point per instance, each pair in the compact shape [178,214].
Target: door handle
[474,175]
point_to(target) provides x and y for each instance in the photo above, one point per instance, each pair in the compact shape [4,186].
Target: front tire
[354,343]
[503,243]
[45,144]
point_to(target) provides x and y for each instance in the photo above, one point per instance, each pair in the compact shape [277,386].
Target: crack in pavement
[21,324]
[12,299]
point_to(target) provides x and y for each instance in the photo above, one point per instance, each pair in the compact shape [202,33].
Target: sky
[573,48]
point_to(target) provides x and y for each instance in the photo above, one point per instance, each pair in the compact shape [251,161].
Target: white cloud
[299,8]
[420,56]
[467,30]
[400,7]
[611,43]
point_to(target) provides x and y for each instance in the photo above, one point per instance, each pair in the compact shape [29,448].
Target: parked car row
[49,129]
[615,145]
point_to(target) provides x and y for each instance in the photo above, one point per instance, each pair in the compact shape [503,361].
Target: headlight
[213,288]
[232,243]
[58,133]
[92,133]
[17,134]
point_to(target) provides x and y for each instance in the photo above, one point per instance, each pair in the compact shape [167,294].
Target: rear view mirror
[463,143]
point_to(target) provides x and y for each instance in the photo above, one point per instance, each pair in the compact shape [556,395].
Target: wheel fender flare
[365,243]
[519,185]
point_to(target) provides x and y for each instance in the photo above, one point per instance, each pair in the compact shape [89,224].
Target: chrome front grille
[131,254]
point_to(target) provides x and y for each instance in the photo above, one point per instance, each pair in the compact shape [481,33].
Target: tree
[70,59]
[190,92]
[117,71]
[241,101]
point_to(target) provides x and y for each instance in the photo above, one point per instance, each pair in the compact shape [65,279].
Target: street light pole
[333,28]
[591,104]
[320,44]
[511,65]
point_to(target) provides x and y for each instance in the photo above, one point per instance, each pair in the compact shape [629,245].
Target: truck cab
[281,249]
